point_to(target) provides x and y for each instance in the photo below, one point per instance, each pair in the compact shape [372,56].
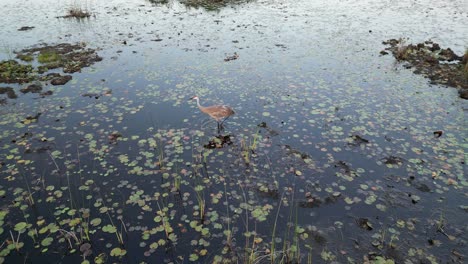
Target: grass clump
[77,12]
[25,57]
[48,57]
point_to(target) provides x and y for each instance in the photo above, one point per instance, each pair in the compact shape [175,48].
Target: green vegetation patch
[12,71]
[25,57]
[48,56]
[71,58]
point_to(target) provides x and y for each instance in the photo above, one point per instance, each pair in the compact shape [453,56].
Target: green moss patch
[48,56]
[12,71]
[25,57]
[71,58]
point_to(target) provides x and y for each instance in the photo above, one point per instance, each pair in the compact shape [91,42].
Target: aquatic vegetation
[25,57]
[431,60]
[78,9]
[70,57]
[29,198]
[326,160]
[46,56]
[78,13]
[13,72]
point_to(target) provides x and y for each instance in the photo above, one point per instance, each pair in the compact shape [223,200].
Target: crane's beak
[191,98]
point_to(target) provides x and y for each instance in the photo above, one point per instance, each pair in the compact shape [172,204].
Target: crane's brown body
[218,112]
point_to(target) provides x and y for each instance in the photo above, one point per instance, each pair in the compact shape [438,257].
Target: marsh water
[331,156]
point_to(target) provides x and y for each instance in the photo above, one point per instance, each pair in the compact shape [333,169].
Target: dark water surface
[332,156]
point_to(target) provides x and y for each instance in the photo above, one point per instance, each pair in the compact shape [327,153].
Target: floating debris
[61,80]
[364,223]
[233,57]
[25,28]
[30,119]
[113,137]
[218,142]
[358,140]
[32,88]
[9,91]
[438,133]
[392,160]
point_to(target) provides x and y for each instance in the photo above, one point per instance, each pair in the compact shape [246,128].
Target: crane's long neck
[198,103]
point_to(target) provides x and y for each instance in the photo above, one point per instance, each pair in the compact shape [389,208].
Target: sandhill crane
[218,112]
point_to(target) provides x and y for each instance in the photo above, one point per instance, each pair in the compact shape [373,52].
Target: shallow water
[311,71]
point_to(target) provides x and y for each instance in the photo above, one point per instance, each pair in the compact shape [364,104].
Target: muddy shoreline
[441,66]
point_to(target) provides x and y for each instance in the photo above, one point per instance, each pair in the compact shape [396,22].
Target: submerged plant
[273,233]
[17,244]
[68,235]
[29,198]
[247,149]
[201,201]
[163,217]
[177,180]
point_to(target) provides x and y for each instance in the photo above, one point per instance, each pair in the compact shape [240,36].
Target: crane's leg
[221,124]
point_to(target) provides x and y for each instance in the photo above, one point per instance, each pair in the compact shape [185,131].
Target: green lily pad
[20,226]
[47,241]
[109,229]
[118,252]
